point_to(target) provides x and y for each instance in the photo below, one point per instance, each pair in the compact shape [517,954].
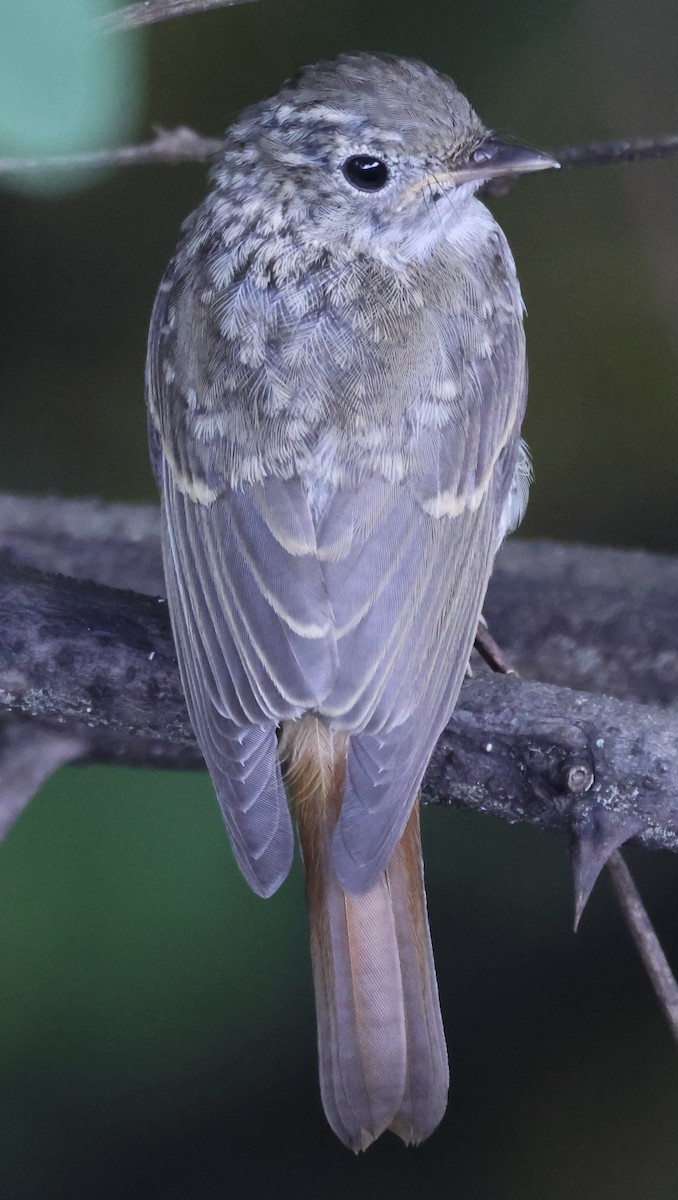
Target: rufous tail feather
[383,1060]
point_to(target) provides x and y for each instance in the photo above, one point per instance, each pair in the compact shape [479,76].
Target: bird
[335,382]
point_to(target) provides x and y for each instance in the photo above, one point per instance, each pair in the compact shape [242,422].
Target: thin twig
[151,12]
[607,153]
[645,938]
[168,146]
[183,145]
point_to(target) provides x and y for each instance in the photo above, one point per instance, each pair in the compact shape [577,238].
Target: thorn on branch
[29,754]
[596,835]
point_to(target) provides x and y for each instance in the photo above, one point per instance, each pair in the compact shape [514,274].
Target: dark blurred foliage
[156,1022]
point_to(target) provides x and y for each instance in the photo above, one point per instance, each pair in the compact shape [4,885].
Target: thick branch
[591,618]
[98,663]
[117,544]
[555,758]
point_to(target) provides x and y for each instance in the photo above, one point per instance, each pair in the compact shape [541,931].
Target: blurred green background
[156,1020]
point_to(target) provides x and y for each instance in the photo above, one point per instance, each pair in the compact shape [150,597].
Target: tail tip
[363,1138]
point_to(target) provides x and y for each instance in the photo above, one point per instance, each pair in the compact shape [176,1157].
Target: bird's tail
[383,1060]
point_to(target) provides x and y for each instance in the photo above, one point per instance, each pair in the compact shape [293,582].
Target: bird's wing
[251,619]
[407,591]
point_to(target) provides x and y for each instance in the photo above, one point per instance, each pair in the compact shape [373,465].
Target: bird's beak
[495,158]
[491,159]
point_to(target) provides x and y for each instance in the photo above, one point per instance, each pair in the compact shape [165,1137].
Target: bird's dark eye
[365,172]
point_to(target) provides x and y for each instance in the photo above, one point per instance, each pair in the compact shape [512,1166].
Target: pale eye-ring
[481,155]
[366,172]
